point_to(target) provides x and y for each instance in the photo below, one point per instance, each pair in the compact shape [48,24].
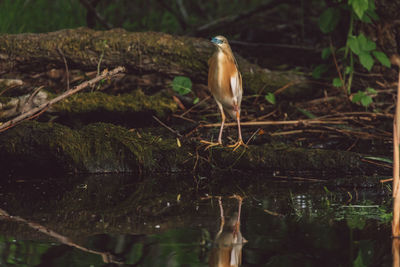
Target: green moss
[102,147]
[98,147]
[296,86]
[159,104]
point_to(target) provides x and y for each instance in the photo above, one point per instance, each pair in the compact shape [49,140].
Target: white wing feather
[235,84]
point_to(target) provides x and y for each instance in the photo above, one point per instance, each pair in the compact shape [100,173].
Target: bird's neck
[225,54]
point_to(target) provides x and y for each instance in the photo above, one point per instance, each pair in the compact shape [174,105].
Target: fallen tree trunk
[43,148]
[141,53]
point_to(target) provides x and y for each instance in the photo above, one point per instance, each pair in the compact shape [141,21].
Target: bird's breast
[219,77]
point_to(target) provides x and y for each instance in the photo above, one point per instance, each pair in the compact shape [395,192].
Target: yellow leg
[211,144]
[222,122]
[240,140]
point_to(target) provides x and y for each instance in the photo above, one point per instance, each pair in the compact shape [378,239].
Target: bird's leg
[222,123]
[211,144]
[222,217]
[240,140]
[236,227]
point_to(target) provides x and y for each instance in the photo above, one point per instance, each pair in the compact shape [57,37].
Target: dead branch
[93,12]
[46,105]
[234,18]
[292,122]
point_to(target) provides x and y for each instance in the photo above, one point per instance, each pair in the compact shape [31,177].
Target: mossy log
[139,52]
[39,148]
[134,109]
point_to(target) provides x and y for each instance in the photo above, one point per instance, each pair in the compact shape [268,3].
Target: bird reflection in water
[228,244]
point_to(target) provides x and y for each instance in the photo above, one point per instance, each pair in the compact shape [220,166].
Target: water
[114,220]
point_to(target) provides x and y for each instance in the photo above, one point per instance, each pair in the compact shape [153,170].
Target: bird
[225,84]
[228,244]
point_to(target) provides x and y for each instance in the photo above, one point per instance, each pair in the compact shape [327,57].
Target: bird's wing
[236,84]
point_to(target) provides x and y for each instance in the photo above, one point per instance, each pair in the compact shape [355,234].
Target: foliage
[183,85]
[364,97]
[17,16]
[270,97]
[363,47]
[357,44]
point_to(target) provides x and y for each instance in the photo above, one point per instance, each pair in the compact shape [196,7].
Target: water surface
[167,221]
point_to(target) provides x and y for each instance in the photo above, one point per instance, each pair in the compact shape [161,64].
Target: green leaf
[270,97]
[348,70]
[359,7]
[366,60]
[182,85]
[358,262]
[366,100]
[386,160]
[196,100]
[366,44]
[370,14]
[354,45]
[382,58]
[360,44]
[326,52]
[307,113]
[357,97]
[329,19]
[365,18]
[337,82]
[371,91]
[319,70]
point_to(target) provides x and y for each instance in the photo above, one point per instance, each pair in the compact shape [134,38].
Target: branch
[92,11]
[294,122]
[234,18]
[106,256]
[33,112]
[181,19]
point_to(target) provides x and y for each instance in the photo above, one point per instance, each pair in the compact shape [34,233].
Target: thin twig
[30,99]
[291,122]
[299,178]
[191,108]
[66,65]
[253,135]
[236,17]
[167,127]
[337,66]
[377,163]
[183,118]
[273,213]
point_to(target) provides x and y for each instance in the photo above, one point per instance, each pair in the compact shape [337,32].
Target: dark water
[165,221]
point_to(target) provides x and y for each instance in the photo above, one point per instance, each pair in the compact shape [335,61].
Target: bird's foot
[210,144]
[238,144]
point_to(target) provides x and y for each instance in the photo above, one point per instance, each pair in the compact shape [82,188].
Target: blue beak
[216,41]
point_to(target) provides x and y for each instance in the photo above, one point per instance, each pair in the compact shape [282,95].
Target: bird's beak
[216,41]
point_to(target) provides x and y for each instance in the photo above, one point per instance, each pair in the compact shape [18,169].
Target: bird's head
[220,42]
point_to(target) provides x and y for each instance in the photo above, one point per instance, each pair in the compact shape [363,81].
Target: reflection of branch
[107,256]
[32,112]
